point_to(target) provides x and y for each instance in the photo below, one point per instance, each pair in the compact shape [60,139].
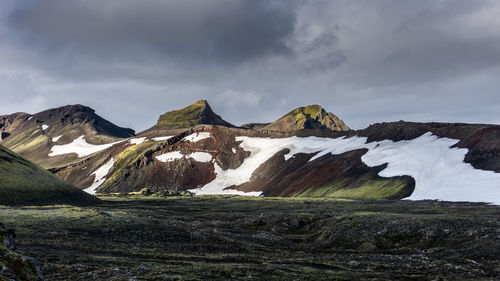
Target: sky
[254,60]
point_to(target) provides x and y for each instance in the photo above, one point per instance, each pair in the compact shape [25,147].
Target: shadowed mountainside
[25,183]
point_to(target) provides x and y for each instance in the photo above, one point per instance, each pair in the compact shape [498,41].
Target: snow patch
[29,118]
[203,157]
[233,150]
[45,127]
[80,147]
[162,138]
[169,156]
[137,140]
[55,139]
[224,178]
[100,176]
[197,137]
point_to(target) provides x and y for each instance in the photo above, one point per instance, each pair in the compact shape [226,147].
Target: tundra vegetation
[137,237]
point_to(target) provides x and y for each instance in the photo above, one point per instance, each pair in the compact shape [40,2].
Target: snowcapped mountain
[60,135]
[307,152]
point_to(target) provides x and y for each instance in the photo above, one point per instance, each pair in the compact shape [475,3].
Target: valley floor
[233,238]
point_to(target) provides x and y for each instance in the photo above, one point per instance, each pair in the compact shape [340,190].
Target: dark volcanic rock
[12,265]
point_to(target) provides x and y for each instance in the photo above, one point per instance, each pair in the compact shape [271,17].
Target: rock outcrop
[13,266]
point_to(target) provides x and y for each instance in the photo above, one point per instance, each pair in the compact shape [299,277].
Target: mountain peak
[197,113]
[308,117]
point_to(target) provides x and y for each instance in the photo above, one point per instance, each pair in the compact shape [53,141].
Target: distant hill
[308,117]
[198,113]
[25,183]
[34,136]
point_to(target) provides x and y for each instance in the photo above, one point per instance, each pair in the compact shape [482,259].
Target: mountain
[198,113]
[22,182]
[35,136]
[308,117]
[380,162]
[314,155]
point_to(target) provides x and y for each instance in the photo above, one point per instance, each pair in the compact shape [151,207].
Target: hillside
[308,117]
[35,136]
[22,182]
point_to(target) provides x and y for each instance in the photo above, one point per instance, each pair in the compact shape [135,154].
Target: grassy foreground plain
[239,238]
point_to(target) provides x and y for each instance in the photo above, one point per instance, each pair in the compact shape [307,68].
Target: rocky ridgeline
[12,265]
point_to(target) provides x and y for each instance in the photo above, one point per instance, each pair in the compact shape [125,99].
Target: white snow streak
[45,127]
[137,140]
[55,139]
[203,157]
[162,138]
[80,147]
[197,136]
[100,176]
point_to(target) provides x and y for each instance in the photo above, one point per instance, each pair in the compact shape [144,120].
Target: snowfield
[80,147]
[195,137]
[438,170]
[100,176]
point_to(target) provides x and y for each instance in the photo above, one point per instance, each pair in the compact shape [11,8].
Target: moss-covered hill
[25,183]
[198,113]
[308,117]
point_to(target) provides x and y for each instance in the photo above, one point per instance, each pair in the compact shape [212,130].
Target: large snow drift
[439,171]
[80,147]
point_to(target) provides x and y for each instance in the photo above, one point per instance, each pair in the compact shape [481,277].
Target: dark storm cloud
[216,31]
[254,60]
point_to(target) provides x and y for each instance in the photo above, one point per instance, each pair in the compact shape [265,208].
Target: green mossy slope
[196,114]
[308,117]
[22,182]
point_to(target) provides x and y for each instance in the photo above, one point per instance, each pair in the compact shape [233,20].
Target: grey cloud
[254,60]
[215,31]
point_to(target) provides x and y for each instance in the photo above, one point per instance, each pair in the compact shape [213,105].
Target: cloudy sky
[366,61]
